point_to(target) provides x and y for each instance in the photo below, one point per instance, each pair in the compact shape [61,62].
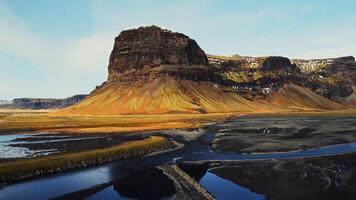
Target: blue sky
[60,48]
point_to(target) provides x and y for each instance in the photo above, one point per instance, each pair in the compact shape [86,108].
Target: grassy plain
[16,121]
[48,122]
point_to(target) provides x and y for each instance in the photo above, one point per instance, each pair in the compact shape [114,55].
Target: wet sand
[281,134]
[43,144]
[317,178]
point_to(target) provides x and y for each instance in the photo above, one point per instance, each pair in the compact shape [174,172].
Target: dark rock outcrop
[255,76]
[43,103]
[278,64]
[137,50]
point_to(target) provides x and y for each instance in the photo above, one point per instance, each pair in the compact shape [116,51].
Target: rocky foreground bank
[187,187]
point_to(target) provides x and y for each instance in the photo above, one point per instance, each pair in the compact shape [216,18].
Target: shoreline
[272,159]
[31,168]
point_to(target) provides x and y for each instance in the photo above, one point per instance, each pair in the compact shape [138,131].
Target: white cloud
[88,53]
[15,39]
[72,66]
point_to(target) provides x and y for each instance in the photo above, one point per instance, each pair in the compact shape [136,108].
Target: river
[106,181]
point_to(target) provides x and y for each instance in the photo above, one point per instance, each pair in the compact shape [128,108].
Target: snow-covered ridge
[246,61]
[312,65]
[305,65]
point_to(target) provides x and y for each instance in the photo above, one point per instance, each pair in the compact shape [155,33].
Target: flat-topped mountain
[146,49]
[152,70]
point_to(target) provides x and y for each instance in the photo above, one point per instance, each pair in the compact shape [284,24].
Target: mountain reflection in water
[143,184]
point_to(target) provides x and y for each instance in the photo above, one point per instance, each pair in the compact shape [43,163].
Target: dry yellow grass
[293,96]
[7,111]
[163,95]
[311,113]
[53,161]
[167,95]
[102,123]
[115,129]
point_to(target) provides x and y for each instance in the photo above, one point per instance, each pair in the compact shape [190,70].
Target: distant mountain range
[333,78]
[40,103]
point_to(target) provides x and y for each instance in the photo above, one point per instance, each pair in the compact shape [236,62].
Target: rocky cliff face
[254,77]
[278,64]
[332,78]
[33,103]
[152,49]
[270,63]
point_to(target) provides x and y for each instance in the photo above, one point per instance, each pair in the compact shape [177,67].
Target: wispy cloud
[76,64]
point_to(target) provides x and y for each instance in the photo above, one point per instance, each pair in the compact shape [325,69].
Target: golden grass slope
[167,95]
[297,97]
[163,95]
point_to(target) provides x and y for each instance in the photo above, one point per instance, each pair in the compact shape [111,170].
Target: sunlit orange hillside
[172,96]
[163,95]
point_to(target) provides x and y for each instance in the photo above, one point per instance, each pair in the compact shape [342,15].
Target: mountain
[153,71]
[151,52]
[43,103]
[5,102]
[334,78]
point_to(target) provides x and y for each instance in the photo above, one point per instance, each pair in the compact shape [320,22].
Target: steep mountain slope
[163,95]
[155,71]
[293,96]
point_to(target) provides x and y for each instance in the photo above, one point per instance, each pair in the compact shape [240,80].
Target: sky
[60,48]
